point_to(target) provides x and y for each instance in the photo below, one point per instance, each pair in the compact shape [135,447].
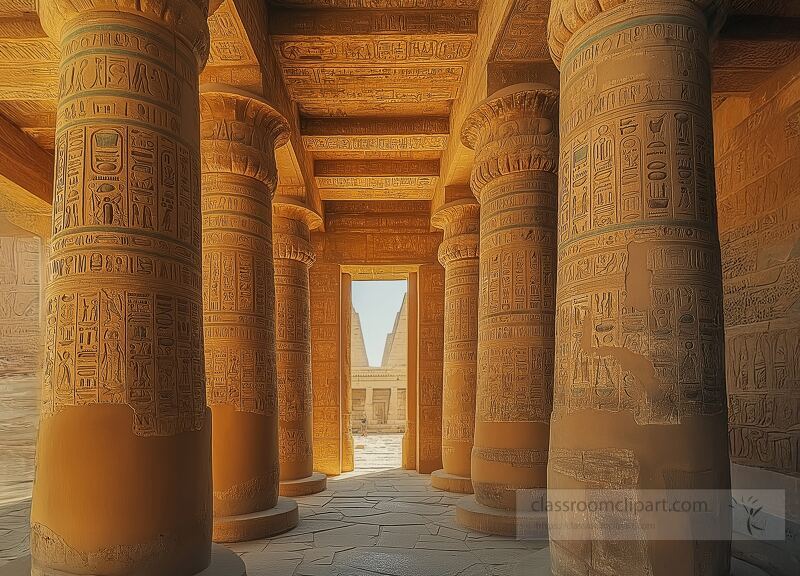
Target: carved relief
[294,254]
[239,135]
[639,336]
[128,179]
[19,304]
[458,254]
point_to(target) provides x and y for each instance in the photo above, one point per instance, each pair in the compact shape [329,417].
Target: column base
[475,516]
[224,562]
[282,518]
[441,480]
[317,482]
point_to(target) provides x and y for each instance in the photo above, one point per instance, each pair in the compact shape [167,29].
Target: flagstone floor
[377,520]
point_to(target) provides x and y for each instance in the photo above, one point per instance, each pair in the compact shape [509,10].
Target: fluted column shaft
[123,416]
[458,253]
[515,139]
[239,135]
[294,254]
[640,393]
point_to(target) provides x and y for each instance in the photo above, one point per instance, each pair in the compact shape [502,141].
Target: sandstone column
[640,394]
[294,254]
[458,253]
[239,134]
[409,460]
[516,144]
[346,374]
[123,463]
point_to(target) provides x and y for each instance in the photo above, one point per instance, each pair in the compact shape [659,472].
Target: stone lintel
[377,168]
[368,126]
[350,22]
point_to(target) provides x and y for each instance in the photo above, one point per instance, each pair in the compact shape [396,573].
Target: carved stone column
[346,373]
[123,474]
[458,253]
[640,393]
[293,255]
[514,177]
[409,459]
[239,134]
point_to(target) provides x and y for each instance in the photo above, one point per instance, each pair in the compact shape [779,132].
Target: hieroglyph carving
[294,254]
[458,253]
[123,306]
[639,340]
[19,304]
[239,134]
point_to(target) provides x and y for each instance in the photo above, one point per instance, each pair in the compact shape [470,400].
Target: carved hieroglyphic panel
[524,37]
[663,154]
[325,365]
[237,283]
[363,62]
[229,42]
[758,177]
[418,138]
[19,304]
[123,310]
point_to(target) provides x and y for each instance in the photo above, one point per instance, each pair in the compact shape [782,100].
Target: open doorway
[379,372]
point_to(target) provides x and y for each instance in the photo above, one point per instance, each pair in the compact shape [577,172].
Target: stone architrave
[345,373]
[239,134]
[458,253]
[294,254]
[639,401]
[123,479]
[515,139]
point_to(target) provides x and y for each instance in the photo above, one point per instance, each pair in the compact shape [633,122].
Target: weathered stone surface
[458,253]
[515,138]
[293,255]
[239,135]
[640,397]
[123,399]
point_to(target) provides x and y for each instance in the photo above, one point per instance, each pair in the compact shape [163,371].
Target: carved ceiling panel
[338,62]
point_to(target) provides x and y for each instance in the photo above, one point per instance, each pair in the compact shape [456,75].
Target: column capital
[239,133]
[186,19]
[460,220]
[514,130]
[292,227]
[567,17]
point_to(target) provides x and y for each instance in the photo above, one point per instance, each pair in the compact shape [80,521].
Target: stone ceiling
[375,90]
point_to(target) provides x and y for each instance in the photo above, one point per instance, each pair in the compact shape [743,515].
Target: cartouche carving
[639,339]
[458,253]
[239,134]
[515,138]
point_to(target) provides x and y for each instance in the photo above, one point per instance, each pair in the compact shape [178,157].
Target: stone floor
[376,520]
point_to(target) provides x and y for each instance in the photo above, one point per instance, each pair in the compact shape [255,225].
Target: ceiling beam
[24,165]
[375,135]
[349,22]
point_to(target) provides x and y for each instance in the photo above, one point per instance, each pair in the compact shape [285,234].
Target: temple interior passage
[575,224]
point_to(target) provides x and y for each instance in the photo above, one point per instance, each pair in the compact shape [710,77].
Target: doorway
[379,372]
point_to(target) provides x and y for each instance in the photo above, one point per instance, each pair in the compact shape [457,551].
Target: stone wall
[19,304]
[758,179]
[380,235]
